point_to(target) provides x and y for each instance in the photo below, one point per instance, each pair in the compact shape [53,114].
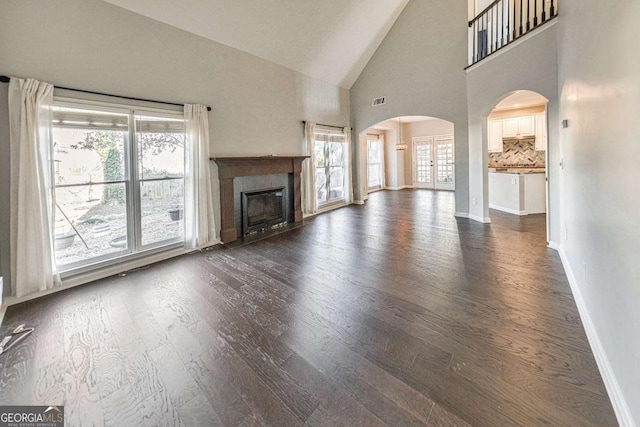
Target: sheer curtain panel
[199,217]
[32,247]
[308,190]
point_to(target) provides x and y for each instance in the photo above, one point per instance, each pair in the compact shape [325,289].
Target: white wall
[419,67]
[90,44]
[530,64]
[393,161]
[599,69]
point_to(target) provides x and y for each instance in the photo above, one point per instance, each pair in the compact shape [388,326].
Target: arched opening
[517,156]
[415,152]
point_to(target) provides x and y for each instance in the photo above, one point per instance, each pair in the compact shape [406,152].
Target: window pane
[162,210]
[335,153]
[445,163]
[99,215]
[374,155]
[160,146]
[374,175]
[83,156]
[337,183]
[321,186]
[318,152]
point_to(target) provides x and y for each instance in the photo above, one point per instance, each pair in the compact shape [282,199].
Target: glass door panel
[423,162]
[445,164]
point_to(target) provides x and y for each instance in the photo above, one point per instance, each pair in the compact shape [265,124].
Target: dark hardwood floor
[394,313]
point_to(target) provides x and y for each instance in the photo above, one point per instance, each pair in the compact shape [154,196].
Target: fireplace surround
[230,168]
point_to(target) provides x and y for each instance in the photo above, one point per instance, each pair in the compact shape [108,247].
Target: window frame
[132,180]
[329,132]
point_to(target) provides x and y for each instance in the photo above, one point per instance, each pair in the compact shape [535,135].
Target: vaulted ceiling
[331,40]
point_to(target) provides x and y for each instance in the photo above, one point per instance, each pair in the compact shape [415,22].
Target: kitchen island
[519,191]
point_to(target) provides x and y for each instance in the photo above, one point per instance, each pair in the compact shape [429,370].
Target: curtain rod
[304,122]
[5,79]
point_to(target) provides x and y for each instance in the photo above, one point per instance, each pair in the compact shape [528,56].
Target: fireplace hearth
[263,209]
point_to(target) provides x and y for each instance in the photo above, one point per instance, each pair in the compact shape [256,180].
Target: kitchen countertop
[517,170]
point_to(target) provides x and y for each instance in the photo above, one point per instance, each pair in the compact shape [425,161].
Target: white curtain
[199,216]
[31,212]
[348,181]
[308,190]
[383,181]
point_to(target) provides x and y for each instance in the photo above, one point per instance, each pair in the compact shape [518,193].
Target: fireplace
[263,209]
[246,174]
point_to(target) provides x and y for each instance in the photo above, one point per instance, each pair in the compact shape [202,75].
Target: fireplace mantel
[232,167]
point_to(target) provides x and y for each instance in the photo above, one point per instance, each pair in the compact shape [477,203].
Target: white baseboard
[398,188]
[618,401]
[508,210]
[485,220]
[554,245]
[358,202]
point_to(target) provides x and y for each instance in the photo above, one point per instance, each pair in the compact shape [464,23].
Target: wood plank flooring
[393,313]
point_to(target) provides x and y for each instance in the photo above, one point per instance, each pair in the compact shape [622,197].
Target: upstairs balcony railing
[505,21]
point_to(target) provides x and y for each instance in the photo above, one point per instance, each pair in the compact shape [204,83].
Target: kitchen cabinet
[541,132]
[495,136]
[518,127]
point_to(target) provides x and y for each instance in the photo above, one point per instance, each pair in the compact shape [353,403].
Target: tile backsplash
[517,152]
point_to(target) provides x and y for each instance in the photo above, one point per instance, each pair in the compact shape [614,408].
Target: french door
[434,162]
[118,182]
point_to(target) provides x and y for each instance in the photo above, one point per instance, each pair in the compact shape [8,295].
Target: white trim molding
[485,220]
[553,245]
[620,407]
[508,210]
[398,188]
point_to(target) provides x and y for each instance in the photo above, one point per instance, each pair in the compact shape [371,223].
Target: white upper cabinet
[495,136]
[518,127]
[526,125]
[541,132]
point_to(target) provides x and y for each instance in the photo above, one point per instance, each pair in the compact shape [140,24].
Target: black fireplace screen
[262,209]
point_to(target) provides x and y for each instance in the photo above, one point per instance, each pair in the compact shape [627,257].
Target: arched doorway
[407,152]
[517,156]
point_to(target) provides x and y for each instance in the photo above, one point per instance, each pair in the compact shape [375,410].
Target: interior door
[445,163]
[423,162]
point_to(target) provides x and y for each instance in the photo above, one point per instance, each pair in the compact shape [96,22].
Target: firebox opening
[262,209]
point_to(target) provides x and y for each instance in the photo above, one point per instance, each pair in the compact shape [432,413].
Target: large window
[374,162]
[119,182]
[330,153]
